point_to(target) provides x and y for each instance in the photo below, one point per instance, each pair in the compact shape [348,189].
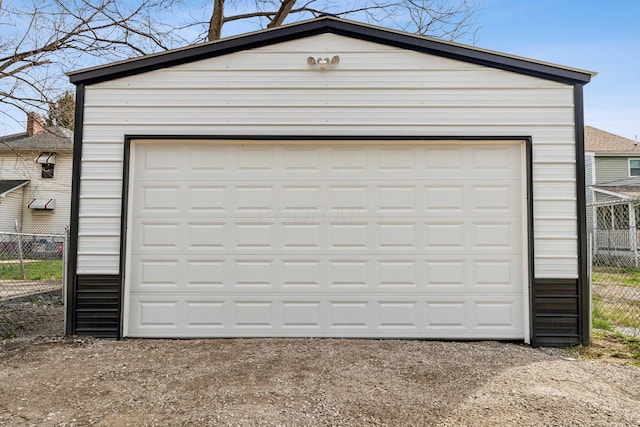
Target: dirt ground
[49,380]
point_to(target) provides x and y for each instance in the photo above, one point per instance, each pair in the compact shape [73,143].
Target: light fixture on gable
[323,62]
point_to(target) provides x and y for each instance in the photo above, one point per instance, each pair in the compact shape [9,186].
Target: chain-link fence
[614,230]
[31,282]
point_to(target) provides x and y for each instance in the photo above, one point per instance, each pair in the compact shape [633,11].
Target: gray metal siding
[614,171]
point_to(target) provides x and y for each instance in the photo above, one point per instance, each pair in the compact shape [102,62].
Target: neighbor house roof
[329,24]
[623,192]
[601,142]
[7,186]
[53,138]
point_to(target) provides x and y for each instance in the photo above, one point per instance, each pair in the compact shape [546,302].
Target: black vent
[555,313]
[97,306]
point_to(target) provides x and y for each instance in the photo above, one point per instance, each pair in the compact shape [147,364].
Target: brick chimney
[35,125]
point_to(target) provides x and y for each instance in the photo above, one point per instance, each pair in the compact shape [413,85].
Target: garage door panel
[416,240]
[447,160]
[372,316]
[278,199]
[337,274]
[394,235]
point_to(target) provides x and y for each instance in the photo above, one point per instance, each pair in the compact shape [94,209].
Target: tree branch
[282,13]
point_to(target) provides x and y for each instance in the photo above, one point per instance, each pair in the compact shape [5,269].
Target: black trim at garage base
[556,318]
[97,306]
[555,309]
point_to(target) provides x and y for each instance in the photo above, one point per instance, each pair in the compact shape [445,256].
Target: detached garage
[329,179]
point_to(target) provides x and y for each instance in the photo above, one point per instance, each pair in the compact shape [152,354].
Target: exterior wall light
[323,62]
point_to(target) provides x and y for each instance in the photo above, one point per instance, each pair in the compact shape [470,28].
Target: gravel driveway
[308,382]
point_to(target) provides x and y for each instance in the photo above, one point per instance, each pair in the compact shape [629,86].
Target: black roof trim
[336,26]
[7,186]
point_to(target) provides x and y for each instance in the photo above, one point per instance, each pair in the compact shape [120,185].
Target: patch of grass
[600,318]
[619,276]
[34,270]
[607,314]
[612,347]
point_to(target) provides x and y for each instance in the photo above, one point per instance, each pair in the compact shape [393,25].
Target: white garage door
[341,239]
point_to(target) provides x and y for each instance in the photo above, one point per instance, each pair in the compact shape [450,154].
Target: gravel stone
[337,382]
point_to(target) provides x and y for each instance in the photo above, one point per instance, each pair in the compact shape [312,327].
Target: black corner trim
[72,251]
[584,281]
[336,26]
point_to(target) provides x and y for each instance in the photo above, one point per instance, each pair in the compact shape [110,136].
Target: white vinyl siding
[375,90]
[58,188]
[10,210]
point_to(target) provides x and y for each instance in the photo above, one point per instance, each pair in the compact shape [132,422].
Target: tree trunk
[282,13]
[215,25]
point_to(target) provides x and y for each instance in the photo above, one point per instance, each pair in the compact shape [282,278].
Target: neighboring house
[35,178]
[613,192]
[331,179]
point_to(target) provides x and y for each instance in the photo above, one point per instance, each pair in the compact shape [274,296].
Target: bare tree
[42,40]
[448,19]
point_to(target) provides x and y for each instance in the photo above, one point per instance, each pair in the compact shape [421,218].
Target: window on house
[47,170]
[47,161]
[634,167]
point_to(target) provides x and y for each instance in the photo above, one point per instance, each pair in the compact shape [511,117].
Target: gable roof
[53,138]
[602,142]
[329,24]
[7,186]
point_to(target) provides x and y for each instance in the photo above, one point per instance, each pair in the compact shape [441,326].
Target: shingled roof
[7,186]
[52,138]
[599,141]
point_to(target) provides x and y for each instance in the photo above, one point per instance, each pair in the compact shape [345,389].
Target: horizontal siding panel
[555,245]
[101,188]
[101,225]
[291,55]
[554,171]
[268,97]
[105,207]
[11,210]
[101,169]
[557,325]
[614,171]
[555,190]
[554,209]
[549,153]
[109,134]
[336,78]
[556,267]
[102,152]
[97,264]
[555,227]
[426,116]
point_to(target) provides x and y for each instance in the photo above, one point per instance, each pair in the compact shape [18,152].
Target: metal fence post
[20,252]
[65,254]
